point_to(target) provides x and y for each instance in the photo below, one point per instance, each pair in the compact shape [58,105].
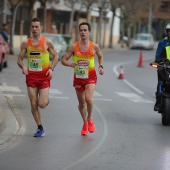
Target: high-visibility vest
[167,52]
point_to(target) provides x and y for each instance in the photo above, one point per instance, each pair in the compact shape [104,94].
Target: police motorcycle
[163,68]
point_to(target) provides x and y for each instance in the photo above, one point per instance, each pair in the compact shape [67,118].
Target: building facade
[58,19]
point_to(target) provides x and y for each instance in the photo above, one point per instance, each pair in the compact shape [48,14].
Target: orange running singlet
[38,62]
[86,68]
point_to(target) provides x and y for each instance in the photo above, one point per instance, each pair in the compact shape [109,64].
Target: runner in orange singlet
[38,70]
[85,77]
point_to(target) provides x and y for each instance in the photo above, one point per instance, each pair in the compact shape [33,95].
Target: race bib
[82,72]
[35,65]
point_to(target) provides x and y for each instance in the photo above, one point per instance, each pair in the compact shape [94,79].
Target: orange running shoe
[91,126]
[84,130]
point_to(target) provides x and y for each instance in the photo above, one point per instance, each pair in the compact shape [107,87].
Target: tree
[71,4]
[78,6]
[130,10]
[14,4]
[43,4]
[88,4]
[115,4]
[85,4]
[103,6]
[14,7]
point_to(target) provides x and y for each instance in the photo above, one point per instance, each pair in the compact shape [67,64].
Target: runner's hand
[49,74]
[101,71]
[24,70]
[73,64]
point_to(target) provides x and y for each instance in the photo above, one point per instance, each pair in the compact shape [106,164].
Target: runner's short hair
[85,23]
[36,20]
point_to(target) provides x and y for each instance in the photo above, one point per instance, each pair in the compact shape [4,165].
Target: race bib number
[35,65]
[82,72]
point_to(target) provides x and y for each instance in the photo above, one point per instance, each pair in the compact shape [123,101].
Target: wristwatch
[52,68]
[101,66]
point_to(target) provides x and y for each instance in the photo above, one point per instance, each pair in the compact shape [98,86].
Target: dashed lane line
[134,97]
[53,93]
[10,88]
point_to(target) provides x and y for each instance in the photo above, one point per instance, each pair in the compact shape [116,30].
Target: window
[164,6]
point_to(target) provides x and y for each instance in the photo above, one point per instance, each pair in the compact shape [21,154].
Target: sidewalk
[16,51]
[8,123]
[2,113]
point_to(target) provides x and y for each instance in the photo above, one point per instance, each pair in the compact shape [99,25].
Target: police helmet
[167,27]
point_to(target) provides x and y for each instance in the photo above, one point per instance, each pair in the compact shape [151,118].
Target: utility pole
[44,3]
[71,17]
[4,11]
[150,18]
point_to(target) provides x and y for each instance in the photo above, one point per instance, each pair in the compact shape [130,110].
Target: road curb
[3,105]
[12,123]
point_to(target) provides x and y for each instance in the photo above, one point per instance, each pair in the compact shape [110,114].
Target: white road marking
[134,97]
[4,84]
[128,95]
[55,91]
[108,100]
[20,95]
[58,97]
[133,87]
[10,88]
[128,83]
[96,94]
[141,100]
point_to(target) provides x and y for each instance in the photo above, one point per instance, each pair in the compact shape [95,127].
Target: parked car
[59,43]
[142,40]
[4,52]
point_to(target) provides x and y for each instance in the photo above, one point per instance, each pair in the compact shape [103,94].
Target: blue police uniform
[161,49]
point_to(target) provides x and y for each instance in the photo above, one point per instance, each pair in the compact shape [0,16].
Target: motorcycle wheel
[166,111]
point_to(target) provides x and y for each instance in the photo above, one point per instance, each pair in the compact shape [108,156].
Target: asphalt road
[129,133]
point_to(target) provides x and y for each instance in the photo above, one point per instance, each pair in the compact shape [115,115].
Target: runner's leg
[89,90]
[33,96]
[43,97]
[82,105]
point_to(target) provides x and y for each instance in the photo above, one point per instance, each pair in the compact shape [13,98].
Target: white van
[142,40]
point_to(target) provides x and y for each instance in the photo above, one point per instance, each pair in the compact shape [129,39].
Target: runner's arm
[53,52]
[100,58]
[67,56]
[21,57]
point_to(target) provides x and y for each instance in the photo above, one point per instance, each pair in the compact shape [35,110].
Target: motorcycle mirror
[155,65]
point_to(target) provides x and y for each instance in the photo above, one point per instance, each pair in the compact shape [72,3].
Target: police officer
[163,51]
